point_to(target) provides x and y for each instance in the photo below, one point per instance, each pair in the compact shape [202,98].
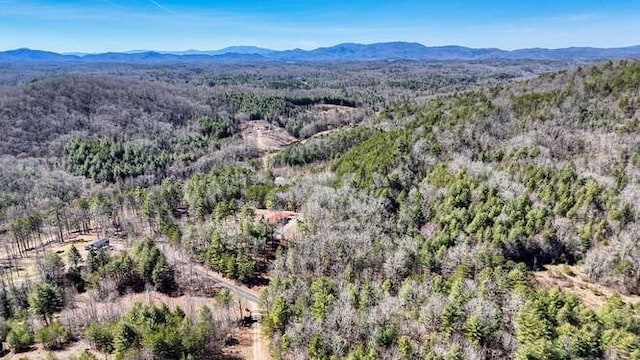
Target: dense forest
[459,210]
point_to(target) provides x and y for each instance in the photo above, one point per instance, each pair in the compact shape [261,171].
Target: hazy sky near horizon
[119,25]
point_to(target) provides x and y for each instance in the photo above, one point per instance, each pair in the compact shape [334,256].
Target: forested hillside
[383,210]
[422,239]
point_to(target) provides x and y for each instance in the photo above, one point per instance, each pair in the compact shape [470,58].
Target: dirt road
[259,348]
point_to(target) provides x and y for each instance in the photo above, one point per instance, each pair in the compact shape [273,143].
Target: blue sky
[117,25]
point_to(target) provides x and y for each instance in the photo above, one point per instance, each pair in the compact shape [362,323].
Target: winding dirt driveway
[259,346]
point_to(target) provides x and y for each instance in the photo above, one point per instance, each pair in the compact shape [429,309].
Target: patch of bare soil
[265,136]
[72,350]
[331,110]
[573,281]
[250,345]
[20,269]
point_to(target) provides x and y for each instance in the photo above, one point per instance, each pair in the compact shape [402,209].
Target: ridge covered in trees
[425,245]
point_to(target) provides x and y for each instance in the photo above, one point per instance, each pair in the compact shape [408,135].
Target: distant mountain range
[341,52]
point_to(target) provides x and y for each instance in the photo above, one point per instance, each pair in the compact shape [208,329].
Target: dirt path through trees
[259,347]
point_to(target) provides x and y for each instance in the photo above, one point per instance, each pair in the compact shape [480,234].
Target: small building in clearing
[98,244]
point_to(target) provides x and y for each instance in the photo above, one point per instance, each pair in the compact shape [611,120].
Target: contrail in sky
[159,6]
